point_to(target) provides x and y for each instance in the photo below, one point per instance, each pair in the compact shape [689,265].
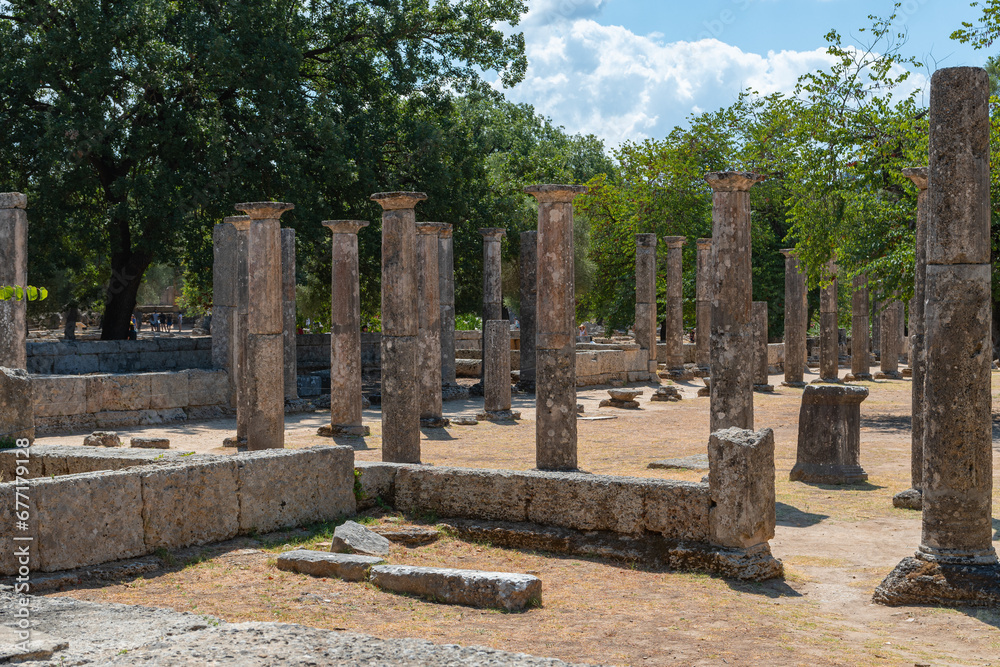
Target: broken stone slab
[149,443]
[623,405]
[911,499]
[624,394]
[332,430]
[473,588]
[464,421]
[349,567]
[409,536]
[696,462]
[499,415]
[103,439]
[352,537]
[667,393]
[888,375]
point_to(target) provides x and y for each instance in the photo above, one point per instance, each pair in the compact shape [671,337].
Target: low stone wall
[606,363]
[312,353]
[96,517]
[81,402]
[118,356]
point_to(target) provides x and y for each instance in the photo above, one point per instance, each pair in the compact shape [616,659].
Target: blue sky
[626,70]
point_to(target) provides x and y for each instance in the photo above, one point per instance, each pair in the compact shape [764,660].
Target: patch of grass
[165,556]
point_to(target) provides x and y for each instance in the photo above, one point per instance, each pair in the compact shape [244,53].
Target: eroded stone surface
[666,393]
[103,439]
[352,537]
[829,441]
[741,483]
[17,414]
[411,536]
[349,567]
[474,588]
[149,443]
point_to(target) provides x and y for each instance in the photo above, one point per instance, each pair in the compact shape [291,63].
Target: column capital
[430,228]
[789,253]
[556,193]
[675,242]
[445,231]
[732,181]
[704,244]
[264,210]
[13,200]
[345,226]
[645,240]
[240,222]
[918,175]
[493,233]
[394,201]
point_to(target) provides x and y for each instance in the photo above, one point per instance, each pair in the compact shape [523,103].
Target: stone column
[829,445]
[13,272]
[555,380]
[796,324]
[429,324]
[400,390]
[496,372]
[860,358]
[829,357]
[956,563]
[345,331]
[674,355]
[645,296]
[911,498]
[446,287]
[492,279]
[265,355]
[288,313]
[239,335]
[889,358]
[759,319]
[529,295]
[703,305]
[224,286]
[732,338]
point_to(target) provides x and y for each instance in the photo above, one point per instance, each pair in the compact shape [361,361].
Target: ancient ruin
[496,372]
[429,324]
[860,337]
[528,268]
[13,273]
[759,321]
[674,273]
[829,349]
[645,297]
[890,339]
[796,324]
[703,306]
[446,292]
[829,444]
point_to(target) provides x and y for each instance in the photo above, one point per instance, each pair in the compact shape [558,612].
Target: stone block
[17,408]
[118,392]
[103,439]
[610,362]
[118,419]
[741,484]
[351,537]
[190,503]
[207,387]
[349,567]
[378,480]
[586,365]
[829,441]
[149,443]
[320,487]
[496,495]
[76,364]
[168,390]
[498,590]
[676,510]
[308,386]
[10,514]
[586,502]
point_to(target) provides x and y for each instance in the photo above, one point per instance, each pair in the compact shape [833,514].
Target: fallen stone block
[351,537]
[409,536]
[349,567]
[149,443]
[103,439]
[473,588]
[696,462]
[667,393]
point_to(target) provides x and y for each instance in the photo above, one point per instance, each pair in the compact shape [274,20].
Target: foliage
[18,293]
[468,322]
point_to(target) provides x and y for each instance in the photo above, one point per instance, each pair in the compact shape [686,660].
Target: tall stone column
[492,278]
[703,305]
[13,272]
[860,358]
[674,355]
[239,335]
[955,563]
[429,324]
[645,296]
[555,379]
[796,320]
[732,337]
[759,318]
[911,498]
[345,331]
[829,349]
[496,373]
[224,286]
[265,354]
[529,295]
[400,389]
[446,288]
[288,313]
[889,357]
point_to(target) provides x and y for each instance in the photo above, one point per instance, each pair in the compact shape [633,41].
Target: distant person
[180,321]
[132,333]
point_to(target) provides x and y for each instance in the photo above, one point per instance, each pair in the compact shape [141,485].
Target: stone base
[794,385]
[667,393]
[499,415]
[907,372]
[860,377]
[827,381]
[434,422]
[331,430]
[764,388]
[753,564]
[888,375]
[454,392]
[615,403]
[920,582]
[234,442]
[676,374]
[911,499]
[298,405]
[813,473]
[704,392]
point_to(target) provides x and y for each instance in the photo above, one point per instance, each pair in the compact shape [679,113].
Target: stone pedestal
[265,355]
[345,331]
[703,305]
[829,348]
[290,331]
[239,334]
[400,387]
[645,296]
[830,436]
[529,294]
[796,320]
[955,563]
[860,358]
[674,355]
[555,380]
[732,338]
[759,318]
[889,354]
[429,325]
[446,288]
[13,272]
[496,372]
[492,276]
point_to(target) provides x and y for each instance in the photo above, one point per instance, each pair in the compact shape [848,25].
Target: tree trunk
[127,270]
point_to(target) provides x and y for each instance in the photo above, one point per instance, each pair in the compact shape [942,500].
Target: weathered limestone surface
[889,352]
[860,357]
[759,316]
[17,409]
[645,295]
[13,272]
[528,268]
[829,362]
[225,246]
[400,327]
[496,366]
[555,380]
[429,323]
[674,315]
[703,305]
[240,391]
[796,316]
[492,275]
[955,563]
[829,444]
[193,503]
[349,567]
[149,443]
[352,537]
[446,288]
[474,588]
[102,439]
[289,330]
[732,338]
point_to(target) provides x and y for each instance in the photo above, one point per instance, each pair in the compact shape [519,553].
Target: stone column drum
[829,444]
[345,331]
[674,354]
[265,355]
[239,336]
[400,389]
[731,384]
[492,278]
[496,372]
[555,380]
[759,319]
[829,357]
[13,272]
[446,287]
[429,325]
[860,358]
[889,354]
[288,313]
[645,296]
[796,320]
[224,286]
[703,305]
[529,294]
[955,563]
[911,498]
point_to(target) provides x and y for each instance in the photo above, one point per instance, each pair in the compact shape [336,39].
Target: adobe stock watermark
[22,541]
[715,27]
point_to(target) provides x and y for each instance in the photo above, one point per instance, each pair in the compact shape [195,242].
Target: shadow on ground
[787,515]
[886,422]
[773,588]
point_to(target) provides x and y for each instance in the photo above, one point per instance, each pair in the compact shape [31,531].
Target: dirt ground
[837,544]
